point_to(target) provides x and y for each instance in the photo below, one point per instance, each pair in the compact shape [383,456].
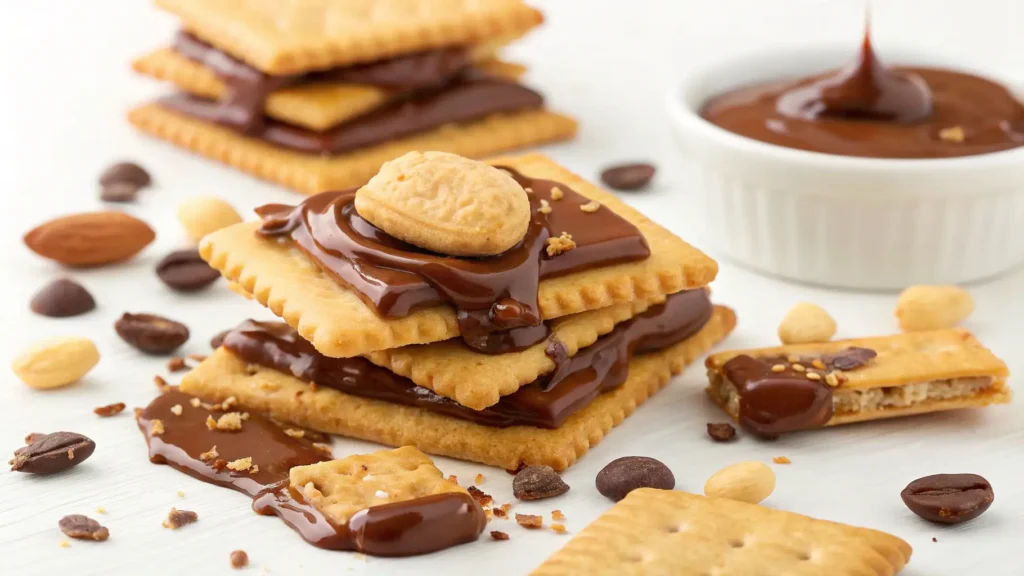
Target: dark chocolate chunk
[948,498]
[218,340]
[52,453]
[723,432]
[83,528]
[125,172]
[623,475]
[185,271]
[119,192]
[537,483]
[850,359]
[151,333]
[62,298]
[628,176]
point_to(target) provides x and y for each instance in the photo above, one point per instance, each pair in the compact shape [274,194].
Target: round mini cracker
[446,204]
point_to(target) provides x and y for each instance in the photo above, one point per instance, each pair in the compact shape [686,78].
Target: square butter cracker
[290,400]
[340,488]
[665,532]
[315,105]
[914,373]
[339,324]
[296,36]
[313,173]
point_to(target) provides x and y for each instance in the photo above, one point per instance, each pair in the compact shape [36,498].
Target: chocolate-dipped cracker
[771,391]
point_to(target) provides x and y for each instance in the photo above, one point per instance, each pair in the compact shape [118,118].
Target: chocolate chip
[948,498]
[723,432]
[125,172]
[83,528]
[185,271]
[628,176]
[62,298]
[52,453]
[850,359]
[239,559]
[109,410]
[178,518]
[151,333]
[623,475]
[218,340]
[537,483]
[119,192]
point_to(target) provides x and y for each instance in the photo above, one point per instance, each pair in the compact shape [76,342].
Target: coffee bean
[119,192]
[623,475]
[628,176]
[151,333]
[62,298]
[52,453]
[850,359]
[721,432]
[83,528]
[125,172]
[185,271]
[537,483]
[948,498]
[218,340]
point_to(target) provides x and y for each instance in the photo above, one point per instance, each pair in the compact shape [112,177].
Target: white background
[66,85]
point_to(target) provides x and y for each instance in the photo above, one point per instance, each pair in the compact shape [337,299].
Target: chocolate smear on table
[188,444]
[949,498]
[62,298]
[628,177]
[150,333]
[186,271]
[490,294]
[545,403]
[52,453]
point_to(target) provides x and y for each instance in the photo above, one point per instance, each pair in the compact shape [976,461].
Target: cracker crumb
[228,403]
[176,410]
[240,465]
[560,244]
[325,448]
[557,515]
[782,460]
[530,521]
[195,402]
[156,427]
[295,433]
[101,510]
[502,512]
[953,134]
[64,544]
[556,193]
[178,518]
[181,494]
[545,207]
[813,376]
[453,478]
[211,454]
[559,528]
[239,559]
[479,479]
[254,470]
[71,453]
[496,535]
[109,410]
[480,496]
[230,422]
[591,207]
[176,364]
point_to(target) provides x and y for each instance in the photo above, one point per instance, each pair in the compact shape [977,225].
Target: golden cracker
[313,173]
[314,105]
[340,488]
[670,532]
[296,36]
[339,324]
[291,400]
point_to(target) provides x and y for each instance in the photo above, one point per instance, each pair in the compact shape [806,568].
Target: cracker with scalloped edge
[313,173]
[289,399]
[296,36]
[339,324]
[313,105]
[654,531]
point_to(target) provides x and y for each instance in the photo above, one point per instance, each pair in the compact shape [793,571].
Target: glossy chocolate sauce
[866,109]
[545,403]
[490,294]
[248,87]
[405,528]
[773,401]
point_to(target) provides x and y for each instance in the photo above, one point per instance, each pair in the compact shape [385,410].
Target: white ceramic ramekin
[842,221]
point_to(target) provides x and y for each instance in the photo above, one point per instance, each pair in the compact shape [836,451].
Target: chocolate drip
[490,294]
[546,403]
[406,528]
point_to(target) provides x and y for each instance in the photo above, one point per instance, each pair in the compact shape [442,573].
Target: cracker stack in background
[316,95]
[528,357]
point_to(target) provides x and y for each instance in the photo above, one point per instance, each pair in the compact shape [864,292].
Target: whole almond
[749,482]
[806,323]
[933,307]
[447,204]
[201,215]
[56,362]
[90,238]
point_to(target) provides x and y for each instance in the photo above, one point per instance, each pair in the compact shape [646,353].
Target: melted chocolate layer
[404,528]
[491,294]
[546,403]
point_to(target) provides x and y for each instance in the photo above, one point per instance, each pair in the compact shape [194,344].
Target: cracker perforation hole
[803,556]
[737,542]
